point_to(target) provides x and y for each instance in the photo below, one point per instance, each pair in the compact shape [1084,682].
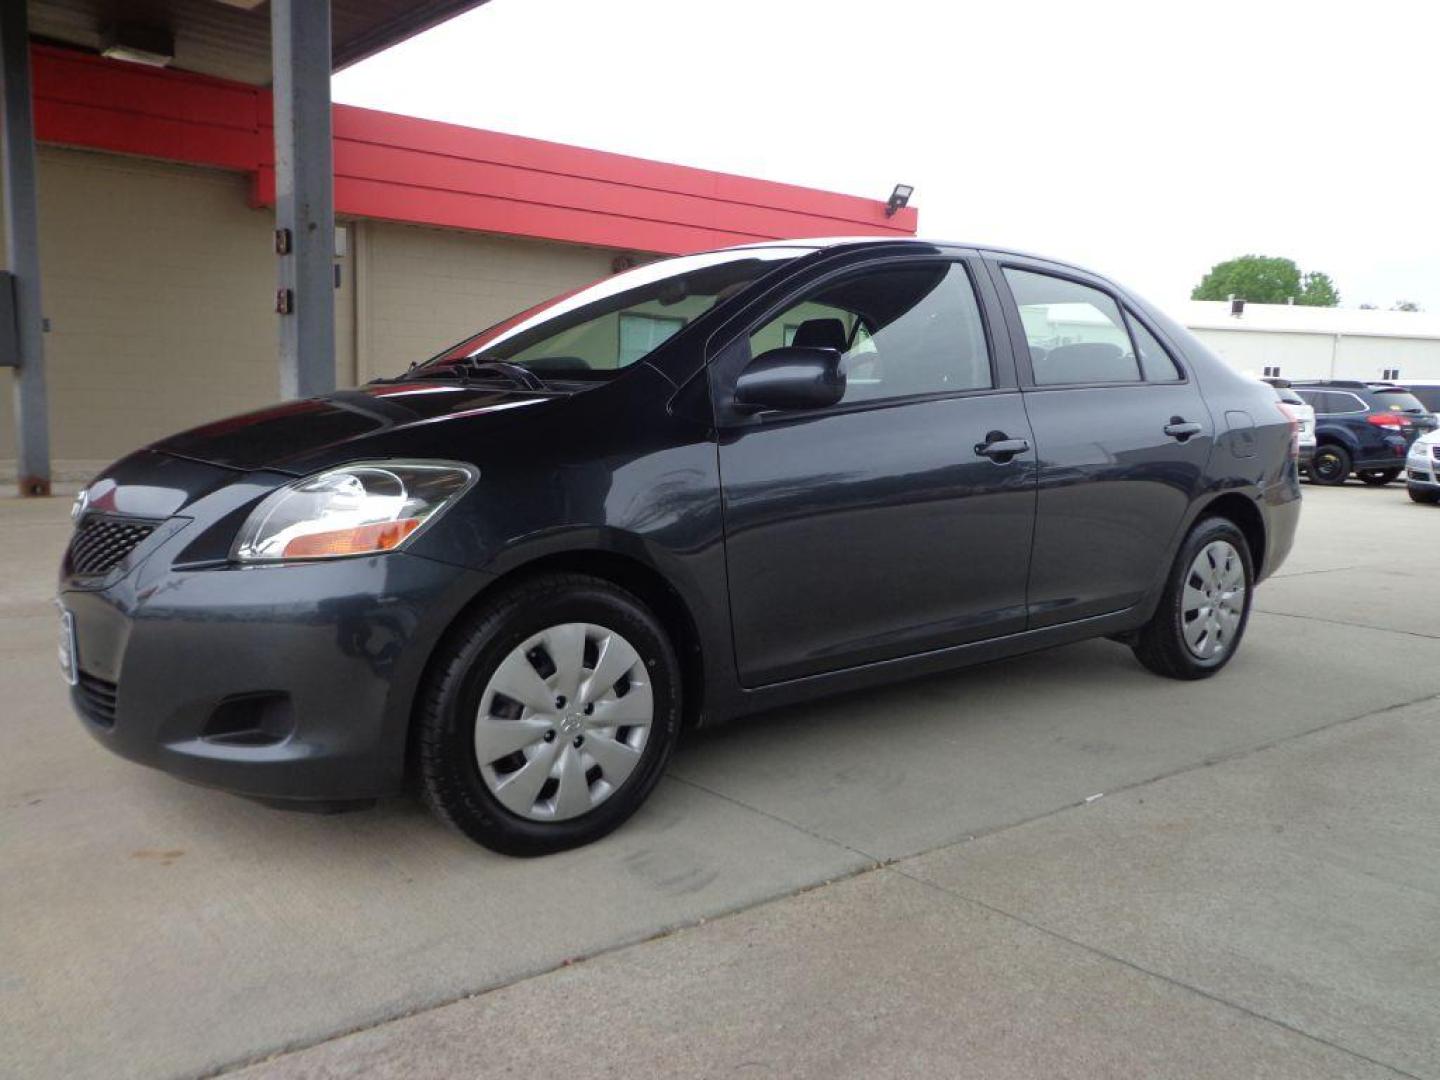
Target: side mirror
[793,377]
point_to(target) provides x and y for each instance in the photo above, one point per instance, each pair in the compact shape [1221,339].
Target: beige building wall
[159,284]
[421,290]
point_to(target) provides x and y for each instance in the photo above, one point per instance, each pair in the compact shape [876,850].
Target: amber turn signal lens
[360,540]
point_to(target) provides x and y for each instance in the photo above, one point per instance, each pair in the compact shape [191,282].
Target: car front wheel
[1378,477]
[1424,494]
[1330,465]
[548,716]
[1206,604]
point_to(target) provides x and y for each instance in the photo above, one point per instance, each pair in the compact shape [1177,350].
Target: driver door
[879,527]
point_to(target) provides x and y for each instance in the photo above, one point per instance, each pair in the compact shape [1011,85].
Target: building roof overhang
[422,172]
[231,38]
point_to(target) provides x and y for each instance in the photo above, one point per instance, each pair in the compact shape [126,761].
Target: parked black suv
[1362,427]
[706,487]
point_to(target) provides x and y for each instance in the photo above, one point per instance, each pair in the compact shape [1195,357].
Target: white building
[1297,342]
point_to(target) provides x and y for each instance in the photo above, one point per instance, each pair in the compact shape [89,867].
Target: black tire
[1160,644]
[1377,477]
[1330,465]
[1424,495]
[449,701]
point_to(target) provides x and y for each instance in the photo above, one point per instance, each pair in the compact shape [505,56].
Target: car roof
[1375,386]
[822,243]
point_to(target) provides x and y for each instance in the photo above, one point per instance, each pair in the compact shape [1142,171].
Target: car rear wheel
[1378,477]
[1206,604]
[1330,465]
[1424,495]
[548,716]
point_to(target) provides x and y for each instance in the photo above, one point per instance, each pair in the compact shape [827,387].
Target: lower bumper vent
[96,699]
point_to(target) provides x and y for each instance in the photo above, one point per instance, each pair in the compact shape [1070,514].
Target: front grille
[96,699]
[1435,451]
[100,543]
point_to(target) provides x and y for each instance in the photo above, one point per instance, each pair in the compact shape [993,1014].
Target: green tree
[1317,290]
[1256,278]
[1262,279]
[1405,305]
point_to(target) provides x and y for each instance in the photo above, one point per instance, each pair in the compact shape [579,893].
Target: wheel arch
[1242,512]
[1338,436]
[622,569]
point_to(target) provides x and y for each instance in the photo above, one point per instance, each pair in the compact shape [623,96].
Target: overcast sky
[1145,140]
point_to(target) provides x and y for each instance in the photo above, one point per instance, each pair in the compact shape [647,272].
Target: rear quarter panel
[1252,460]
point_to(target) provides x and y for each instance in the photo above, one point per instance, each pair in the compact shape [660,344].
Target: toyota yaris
[708,486]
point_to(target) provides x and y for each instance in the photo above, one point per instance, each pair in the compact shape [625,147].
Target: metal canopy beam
[22,247]
[304,196]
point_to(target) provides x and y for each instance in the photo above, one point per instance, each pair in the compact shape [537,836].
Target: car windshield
[1399,401]
[596,331]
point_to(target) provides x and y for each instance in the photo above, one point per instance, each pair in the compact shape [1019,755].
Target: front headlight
[361,509]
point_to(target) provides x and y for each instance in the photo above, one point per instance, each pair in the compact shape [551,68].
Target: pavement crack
[1309,573]
[1179,984]
[813,834]
[1351,625]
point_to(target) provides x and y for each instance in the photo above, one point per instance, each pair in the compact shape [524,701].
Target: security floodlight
[899,199]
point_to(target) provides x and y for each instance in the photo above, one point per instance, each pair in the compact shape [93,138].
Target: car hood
[301,435]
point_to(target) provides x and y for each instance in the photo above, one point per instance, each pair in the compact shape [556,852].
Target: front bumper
[291,682]
[1423,470]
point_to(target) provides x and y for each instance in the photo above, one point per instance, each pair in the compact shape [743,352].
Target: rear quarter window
[1156,363]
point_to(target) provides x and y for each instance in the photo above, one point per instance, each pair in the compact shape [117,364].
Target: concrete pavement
[156,929]
[1223,922]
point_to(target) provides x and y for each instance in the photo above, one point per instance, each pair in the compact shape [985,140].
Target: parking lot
[1059,865]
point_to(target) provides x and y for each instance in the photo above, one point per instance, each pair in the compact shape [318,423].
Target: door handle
[1000,448]
[1181,429]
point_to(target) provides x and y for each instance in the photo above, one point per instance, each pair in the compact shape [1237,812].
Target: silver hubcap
[1214,600]
[563,721]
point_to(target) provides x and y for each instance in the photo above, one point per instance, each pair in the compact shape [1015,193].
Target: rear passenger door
[1122,435]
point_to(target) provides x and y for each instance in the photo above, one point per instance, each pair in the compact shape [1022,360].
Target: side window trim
[724,363]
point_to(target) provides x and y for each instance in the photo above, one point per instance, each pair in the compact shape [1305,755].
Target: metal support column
[304,195]
[22,248]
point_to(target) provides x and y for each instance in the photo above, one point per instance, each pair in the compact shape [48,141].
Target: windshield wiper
[468,366]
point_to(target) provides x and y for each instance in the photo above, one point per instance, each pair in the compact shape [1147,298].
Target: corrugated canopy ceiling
[231,38]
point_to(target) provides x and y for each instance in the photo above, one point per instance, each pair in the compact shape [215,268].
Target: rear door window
[1076,333]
